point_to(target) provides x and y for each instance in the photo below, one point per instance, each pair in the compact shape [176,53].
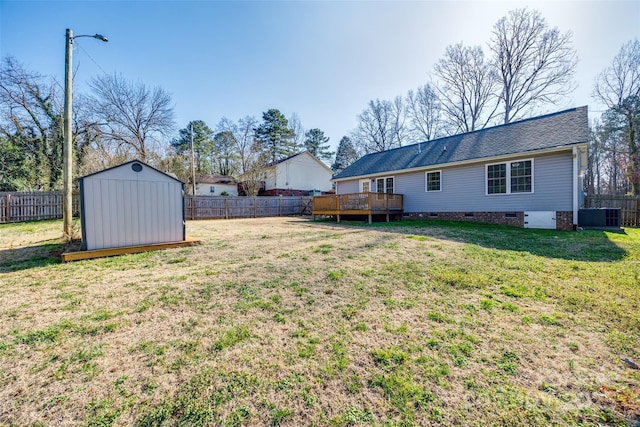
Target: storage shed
[131,204]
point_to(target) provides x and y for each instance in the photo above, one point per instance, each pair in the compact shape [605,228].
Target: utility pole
[67,152]
[193,161]
[67,149]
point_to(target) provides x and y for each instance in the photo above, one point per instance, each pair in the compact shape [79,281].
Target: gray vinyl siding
[351,186]
[464,188]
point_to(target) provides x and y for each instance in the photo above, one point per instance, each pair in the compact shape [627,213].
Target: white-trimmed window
[385,185]
[212,189]
[510,177]
[365,185]
[433,181]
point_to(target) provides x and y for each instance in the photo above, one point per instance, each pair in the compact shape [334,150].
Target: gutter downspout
[576,168]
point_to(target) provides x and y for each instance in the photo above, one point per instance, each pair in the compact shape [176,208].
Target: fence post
[226,208]
[8,207]
[637,215]
[255,206]
[279,206]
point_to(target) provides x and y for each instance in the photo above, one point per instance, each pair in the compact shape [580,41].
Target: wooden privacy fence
[15,207]
[206,207]
[629,207]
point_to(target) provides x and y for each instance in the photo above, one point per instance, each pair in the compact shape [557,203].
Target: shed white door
[540,219]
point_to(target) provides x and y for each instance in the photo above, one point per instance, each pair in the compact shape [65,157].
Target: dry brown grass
[293,322]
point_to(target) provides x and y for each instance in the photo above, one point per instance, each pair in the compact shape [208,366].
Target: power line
[90,57]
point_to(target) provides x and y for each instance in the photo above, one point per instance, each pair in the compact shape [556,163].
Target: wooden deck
[358,204]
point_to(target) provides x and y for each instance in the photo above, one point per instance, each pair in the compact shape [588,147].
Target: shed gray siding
[121,207]
[464,188]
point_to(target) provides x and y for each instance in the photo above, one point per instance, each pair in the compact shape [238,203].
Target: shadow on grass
[586,245]
[27,257]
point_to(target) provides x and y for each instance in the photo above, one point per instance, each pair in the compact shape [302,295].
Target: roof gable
[123,166]
[308,154]
[564,128]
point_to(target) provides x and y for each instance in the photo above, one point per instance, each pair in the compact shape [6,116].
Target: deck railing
[357,202]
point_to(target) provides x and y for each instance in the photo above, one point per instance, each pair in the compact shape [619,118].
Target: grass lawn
[285,321]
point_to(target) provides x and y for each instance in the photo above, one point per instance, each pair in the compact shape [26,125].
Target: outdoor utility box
[599,217]
[132,204]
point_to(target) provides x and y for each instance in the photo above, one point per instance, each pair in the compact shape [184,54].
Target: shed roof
[122,165]
[561,129]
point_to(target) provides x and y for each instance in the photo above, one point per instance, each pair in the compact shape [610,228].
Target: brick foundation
[564,219]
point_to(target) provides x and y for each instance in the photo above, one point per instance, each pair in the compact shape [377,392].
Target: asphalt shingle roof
[564,128]
[215,179]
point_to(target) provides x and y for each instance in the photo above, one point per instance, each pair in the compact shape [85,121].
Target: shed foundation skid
[103,253]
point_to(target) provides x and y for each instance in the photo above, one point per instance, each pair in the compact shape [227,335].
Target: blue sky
[321,60]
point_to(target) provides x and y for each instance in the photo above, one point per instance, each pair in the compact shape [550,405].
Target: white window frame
[508,177]
[212,189]
[384,180]
[426,181]
[361,184]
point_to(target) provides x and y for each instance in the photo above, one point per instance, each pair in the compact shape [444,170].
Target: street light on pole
[67,208]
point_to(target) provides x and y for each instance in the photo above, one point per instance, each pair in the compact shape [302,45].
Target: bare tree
[380,126]
[593,177]
[245,141]
[424,114]
[31,120]
[251,163]
[618,87]
[608,156]
[255,174]
[467,88]
[136,116]
[535,64]
[298,130]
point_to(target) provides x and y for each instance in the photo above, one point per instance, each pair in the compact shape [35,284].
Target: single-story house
[526,173]
[298,175]
[216,185]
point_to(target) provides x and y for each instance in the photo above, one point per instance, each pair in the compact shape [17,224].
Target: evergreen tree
[203,145]
[345,156]
[274,136]
[316,144]
[14,171]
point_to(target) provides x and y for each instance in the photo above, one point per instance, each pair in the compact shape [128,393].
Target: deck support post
[369,217]
[338,218]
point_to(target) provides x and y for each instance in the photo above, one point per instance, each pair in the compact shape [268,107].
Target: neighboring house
[215,185]
[526,173]
[298,175]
